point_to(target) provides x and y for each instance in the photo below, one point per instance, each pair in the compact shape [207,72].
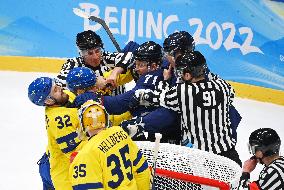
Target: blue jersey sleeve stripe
[70,148]
[70,141]
[143,167]
[66,138]
[88,186]
[139,156]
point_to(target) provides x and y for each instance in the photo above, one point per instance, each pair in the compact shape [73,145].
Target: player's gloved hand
[82,98]
[144,96]
[136,100]
[134,127]
[130,47]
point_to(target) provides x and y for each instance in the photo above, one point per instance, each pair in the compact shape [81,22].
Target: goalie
[110,159]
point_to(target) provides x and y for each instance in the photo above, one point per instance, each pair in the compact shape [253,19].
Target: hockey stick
[158,137]
[80,13]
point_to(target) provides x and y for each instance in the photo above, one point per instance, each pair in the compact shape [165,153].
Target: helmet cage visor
[49,95]
[266,150]
[252,148]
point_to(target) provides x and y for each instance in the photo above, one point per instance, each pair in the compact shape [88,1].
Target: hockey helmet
[80,78]
[265,140]
[191,62]
[92,116]
[88,40]
[39,90]
[149,52]
[178,41]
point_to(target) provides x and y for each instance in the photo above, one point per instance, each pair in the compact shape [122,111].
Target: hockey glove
[133,127]
[82,98]
[130,47]
[144,96]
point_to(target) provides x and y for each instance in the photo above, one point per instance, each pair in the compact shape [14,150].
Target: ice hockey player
[178,43]
[203,105]
[86,85]
[264,145]
[61,125]
[148,58]
[110,159]
[93,56]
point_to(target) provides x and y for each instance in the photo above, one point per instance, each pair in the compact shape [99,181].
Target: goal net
[179,167]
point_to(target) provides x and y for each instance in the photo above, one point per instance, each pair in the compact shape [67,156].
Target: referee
[264,144]
[203,105]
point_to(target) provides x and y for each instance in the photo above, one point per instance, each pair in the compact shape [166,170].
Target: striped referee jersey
[109,61]
[204,108]
[270,178]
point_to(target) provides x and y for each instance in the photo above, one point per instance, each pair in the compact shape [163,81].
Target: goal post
[179,167]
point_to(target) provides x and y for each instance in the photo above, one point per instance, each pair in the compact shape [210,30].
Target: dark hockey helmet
[191,62]
[266,140]
[149,52]
[178,41]
[88,40]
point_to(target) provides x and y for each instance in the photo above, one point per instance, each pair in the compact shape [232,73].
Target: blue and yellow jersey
[110,160]
[121,80]
[61,125]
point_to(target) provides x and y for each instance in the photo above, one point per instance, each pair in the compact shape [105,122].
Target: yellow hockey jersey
[110,160]
[61,125]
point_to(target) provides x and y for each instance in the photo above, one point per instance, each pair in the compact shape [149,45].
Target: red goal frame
[193,179]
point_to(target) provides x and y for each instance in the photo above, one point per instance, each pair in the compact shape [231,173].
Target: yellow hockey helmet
[92,116]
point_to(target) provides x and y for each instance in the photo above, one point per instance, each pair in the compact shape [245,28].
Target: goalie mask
[265,140]
[190,62]
[92,116]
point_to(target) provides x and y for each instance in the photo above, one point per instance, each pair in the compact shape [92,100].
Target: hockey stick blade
[82,14]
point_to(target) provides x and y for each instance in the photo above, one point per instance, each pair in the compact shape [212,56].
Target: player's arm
[66,67]
[119,69]
[165,98]
[117,104]
[161,120]
[85,173]
[116,78]
[123,60]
